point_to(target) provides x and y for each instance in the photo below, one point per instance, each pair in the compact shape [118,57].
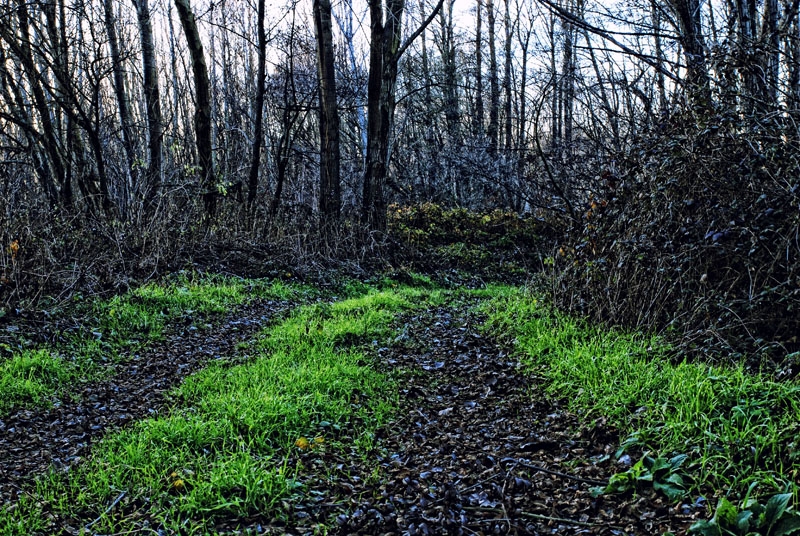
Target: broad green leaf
[659,465]
[743,521]
[790,525]
[674,479]
[677,461]
[776,506]
[596,491]
[673,493]
[705,528]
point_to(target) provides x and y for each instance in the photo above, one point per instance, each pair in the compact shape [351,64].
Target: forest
[389,267]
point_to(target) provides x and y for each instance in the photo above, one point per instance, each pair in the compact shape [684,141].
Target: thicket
[697,236]
[494,243]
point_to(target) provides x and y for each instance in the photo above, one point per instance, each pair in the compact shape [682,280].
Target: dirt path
[477,449]
[33,440]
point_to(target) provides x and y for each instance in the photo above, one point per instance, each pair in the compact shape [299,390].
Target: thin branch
[421,28]
[557,473]
[581,23]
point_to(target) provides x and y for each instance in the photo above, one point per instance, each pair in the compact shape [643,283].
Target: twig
[113,504]
[558,473]
[540,517]
[481,482]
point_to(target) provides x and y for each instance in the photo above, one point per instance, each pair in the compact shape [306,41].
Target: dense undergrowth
[737,429]
[695,236]
[497,244]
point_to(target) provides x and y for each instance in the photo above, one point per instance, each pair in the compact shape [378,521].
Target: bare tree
[258,107]
[121,93]
[152,98]
[493,130]
[385,51]
[329,184]
[202,114]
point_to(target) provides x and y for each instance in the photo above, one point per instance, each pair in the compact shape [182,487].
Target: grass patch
[738,428]
[108,329]
[31,377]
[225,451]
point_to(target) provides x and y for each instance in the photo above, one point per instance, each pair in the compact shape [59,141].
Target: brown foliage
[699,239]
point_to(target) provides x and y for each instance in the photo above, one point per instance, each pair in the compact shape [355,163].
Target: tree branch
[421,29]
[581,23]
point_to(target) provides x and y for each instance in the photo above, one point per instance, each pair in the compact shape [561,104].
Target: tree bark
[508,142]
[55,163]
[258,108]
[494,87]
[384,54]
[478,121]
[696,82]
[202,114]
[447,50]
[121,94]
[152,100]
[329,160]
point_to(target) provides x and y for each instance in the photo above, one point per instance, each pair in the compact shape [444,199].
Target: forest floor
[34,439]
[475,445]
[477,448]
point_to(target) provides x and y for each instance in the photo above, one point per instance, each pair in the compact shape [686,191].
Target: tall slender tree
[329,183]
[202,113]
[152,99]
[493,130]
[258,107]
[385,51]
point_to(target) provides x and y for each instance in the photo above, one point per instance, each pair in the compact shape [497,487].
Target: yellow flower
[13,249]
[302,443]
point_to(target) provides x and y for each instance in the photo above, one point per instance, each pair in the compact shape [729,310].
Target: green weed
[34,377]
[751,518]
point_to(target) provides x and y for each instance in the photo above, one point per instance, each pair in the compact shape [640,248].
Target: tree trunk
[697,82]
[202,115]
[122,96]
[769,63]
[661,86]
[384,55]
[383,58]
[568,85]
[258,109]
[494,87]
[478,121]
[152,100]
[508,142]
[329,184]
[25,54]
[448,51]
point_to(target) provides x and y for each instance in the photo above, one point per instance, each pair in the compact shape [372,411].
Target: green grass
[737,427]
[223,451]
[109,329]
[31,377]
